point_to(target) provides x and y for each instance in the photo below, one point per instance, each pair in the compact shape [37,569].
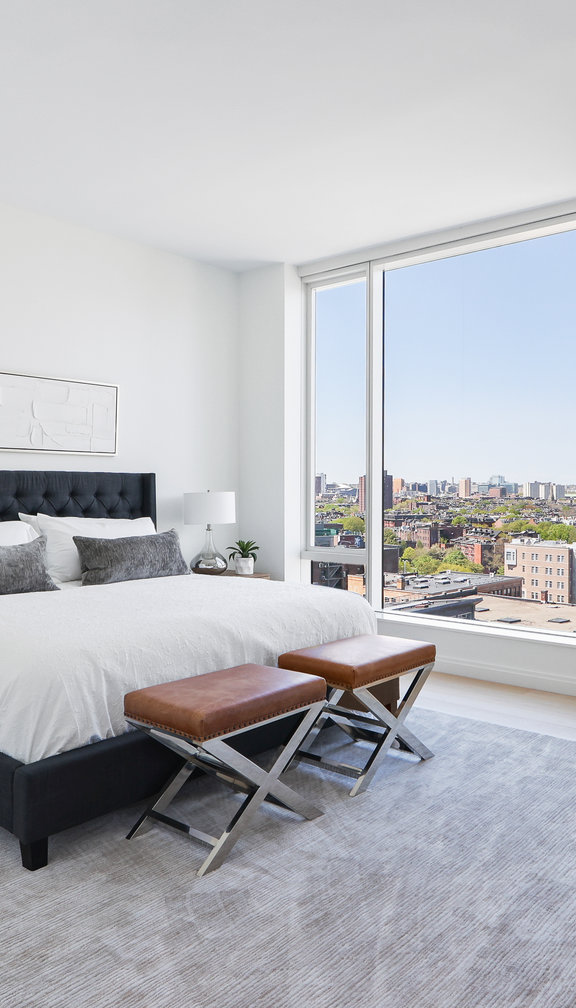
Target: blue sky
[479,367]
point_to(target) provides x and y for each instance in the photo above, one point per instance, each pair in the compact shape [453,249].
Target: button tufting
[115,495]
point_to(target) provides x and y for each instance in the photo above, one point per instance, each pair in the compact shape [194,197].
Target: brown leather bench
[195,717]
[356,666]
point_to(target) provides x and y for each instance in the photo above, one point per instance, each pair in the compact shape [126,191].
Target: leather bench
[197,717]
[356,665]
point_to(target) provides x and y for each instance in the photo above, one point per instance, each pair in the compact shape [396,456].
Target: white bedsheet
[67,658]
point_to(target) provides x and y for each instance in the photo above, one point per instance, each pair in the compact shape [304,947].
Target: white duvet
[67,658]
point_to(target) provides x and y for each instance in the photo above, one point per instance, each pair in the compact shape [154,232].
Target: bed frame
[54,794]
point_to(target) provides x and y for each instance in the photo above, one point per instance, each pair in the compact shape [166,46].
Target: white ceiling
[251,131]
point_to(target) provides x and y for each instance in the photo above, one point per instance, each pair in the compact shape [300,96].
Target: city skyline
[450,480]
[477,365]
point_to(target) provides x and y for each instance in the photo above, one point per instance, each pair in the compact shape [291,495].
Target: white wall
[270,416]
[76,303]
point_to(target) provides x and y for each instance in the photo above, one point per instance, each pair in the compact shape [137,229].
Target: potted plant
[243,553]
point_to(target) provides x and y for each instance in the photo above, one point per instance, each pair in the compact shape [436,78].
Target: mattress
[68,658]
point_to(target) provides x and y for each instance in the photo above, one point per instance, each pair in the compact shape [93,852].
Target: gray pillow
[104,561]
[23,568]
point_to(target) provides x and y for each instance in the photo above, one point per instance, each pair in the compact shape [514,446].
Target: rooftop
[502,610]
[527,541]
[446,581]
[494,608]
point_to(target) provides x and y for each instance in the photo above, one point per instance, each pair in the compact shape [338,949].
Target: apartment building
[545,566]
[428,534]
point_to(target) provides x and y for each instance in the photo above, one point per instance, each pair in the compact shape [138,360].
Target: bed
[68,657]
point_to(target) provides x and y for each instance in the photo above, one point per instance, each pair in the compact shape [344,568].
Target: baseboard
[508,675]
[515,658]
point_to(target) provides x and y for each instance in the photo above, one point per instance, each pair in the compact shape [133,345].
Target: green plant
[243,548]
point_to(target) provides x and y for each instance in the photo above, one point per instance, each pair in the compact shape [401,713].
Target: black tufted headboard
[81,494]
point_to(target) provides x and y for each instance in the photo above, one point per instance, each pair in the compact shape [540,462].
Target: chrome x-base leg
[379,726]
[217,757]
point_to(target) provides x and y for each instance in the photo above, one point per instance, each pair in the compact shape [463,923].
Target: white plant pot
[244,565]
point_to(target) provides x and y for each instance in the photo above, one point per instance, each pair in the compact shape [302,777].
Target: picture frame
[57,415]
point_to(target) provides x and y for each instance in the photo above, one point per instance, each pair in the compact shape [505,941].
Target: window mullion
[374,434]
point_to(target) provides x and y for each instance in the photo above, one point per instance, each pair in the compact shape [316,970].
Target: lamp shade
[212,507]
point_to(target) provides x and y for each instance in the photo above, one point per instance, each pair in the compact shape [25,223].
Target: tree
[390,538]
[455,556]
[519,525]
[352,523]
[437,552]
[461,568]
[426,564]
[551,530]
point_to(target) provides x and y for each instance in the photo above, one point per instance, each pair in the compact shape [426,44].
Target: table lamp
[212,507]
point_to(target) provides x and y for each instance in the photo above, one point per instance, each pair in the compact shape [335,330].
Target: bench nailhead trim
[220,734]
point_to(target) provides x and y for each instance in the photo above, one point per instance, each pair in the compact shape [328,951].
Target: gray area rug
[449,884]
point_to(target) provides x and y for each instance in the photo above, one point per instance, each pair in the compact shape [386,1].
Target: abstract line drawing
[57,415]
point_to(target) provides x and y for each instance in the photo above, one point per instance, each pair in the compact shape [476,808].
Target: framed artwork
[57,415]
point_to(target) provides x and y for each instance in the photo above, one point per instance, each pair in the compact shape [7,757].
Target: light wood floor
[531,710]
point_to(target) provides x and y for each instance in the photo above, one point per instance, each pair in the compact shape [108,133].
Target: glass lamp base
[212,564]
[208,561]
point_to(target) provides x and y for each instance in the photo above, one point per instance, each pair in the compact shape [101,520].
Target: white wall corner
[270,421]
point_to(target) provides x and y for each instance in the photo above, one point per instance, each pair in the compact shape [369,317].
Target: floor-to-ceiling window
[477,475]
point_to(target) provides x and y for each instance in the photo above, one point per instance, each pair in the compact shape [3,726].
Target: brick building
[427,534]
[477,550]
[387,492]
[546,567]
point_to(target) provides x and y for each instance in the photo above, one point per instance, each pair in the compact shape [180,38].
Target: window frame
[375,270]
[373,426]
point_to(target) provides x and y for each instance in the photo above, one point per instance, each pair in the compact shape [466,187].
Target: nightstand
[256,574]
[231,573]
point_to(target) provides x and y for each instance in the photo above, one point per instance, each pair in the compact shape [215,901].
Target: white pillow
[62,559]
[31,520]
[15,533]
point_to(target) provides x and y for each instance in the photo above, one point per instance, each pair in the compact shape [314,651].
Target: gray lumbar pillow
[104,561]
[23,568]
